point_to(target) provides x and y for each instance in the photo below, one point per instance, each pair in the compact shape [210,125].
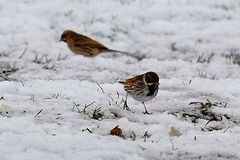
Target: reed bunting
[80,44]
[142,88]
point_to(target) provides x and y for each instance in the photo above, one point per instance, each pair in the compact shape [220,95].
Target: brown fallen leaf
[116,131]
[174,132]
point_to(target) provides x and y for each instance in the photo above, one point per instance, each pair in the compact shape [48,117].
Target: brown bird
[142,88]
[80,44]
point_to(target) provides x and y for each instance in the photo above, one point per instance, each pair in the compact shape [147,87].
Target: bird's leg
[146,112]
[125,106]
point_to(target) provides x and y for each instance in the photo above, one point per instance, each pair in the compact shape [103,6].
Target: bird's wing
[86,41]
[134,80]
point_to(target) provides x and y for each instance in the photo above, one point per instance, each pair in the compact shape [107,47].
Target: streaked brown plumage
[142,88]
[80,44]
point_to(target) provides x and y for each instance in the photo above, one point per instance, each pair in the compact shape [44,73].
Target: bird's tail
[138,57]
[112,50]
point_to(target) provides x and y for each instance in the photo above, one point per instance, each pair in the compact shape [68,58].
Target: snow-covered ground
[58,105]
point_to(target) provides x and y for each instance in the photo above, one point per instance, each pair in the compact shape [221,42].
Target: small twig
[100,87]
[226,129]
[116,80]
[183,83]
[22,83]
[146,135]
[125,106]
[190,81]
[172,144]
[208,122]
[87,129]
[142,147]
[47,60]
[210,57]
[23,52]
[90,104]
[110,97]
[59,57]
[173,148]
[5,77]
[37,113]
[76,105]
